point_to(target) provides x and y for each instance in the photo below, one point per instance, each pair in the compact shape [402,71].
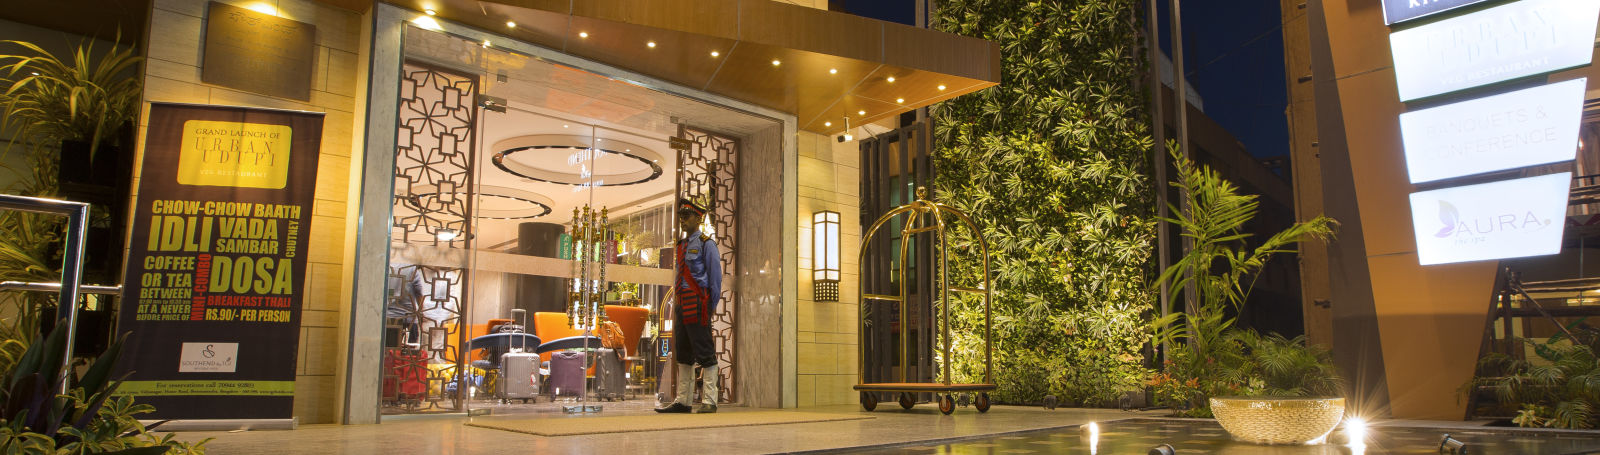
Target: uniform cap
[688,206]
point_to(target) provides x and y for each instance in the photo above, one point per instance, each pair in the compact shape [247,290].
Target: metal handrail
[77,214]
[56,287]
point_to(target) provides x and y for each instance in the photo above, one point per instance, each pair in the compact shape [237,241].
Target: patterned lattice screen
[706,174]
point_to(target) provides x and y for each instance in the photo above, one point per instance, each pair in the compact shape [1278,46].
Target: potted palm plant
[79,104]
[1264,389]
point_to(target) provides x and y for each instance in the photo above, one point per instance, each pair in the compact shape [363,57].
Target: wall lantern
[825,256]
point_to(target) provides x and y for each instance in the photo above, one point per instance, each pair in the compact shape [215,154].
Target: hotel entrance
[531,252]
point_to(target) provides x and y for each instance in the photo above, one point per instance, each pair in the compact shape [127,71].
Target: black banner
[217,260]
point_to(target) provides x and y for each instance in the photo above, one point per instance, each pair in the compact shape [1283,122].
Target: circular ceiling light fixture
[494,202]
[562,159]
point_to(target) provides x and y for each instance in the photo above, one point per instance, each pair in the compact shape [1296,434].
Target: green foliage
[86,419]
[1053,165]
[1560,389]
[49,100]
[1217,358]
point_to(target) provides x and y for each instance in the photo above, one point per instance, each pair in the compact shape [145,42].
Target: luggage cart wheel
[947,404]
[983,402]
[869,401]
[907,400]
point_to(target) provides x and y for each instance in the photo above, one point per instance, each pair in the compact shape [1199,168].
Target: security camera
[846,137]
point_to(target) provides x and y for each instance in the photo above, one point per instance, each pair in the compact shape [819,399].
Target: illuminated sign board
[1522,128]
[1397,11]
[1513,218]
[1520,39]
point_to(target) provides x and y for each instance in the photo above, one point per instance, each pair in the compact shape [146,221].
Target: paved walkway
[445,434]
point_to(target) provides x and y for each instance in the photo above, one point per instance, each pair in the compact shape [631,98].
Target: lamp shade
[825,256]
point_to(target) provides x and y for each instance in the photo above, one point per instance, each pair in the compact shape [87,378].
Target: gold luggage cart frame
[916,223]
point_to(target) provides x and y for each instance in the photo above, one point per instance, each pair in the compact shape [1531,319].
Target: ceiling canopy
[821,66]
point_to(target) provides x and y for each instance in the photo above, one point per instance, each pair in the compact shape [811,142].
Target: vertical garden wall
[1054,165]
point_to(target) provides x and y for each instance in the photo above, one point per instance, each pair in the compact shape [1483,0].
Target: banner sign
[1508,219]
[216,265]
[1518,129]
[1520,39]
[1397,11]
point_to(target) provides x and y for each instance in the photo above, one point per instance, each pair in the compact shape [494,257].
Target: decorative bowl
[1278,420]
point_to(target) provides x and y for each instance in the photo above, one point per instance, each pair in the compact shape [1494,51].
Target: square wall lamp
[825,256]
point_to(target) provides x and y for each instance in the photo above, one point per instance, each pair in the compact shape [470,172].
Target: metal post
[1181,93]
[71,261]
[1159,131]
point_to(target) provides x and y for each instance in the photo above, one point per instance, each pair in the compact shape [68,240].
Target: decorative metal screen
[706,174]
[432,208]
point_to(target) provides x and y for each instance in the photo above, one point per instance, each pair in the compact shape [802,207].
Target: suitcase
[567,374]
[519,376]
[610,380]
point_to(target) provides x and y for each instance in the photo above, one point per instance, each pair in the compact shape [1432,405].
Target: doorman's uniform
[699,287]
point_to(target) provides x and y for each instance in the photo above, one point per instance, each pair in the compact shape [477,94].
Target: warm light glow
[650,44]
[427,22]
[583,34]
[1355,432]
[826,124]
[775,62]
[891,78]
[563,126]
[825,244]
[268,9]
[861,112]
[941,87]
[716,54]
[430,12]
[485,44]
[900,100]
[447,234]
[510,24]
[1094,437]
[833,71]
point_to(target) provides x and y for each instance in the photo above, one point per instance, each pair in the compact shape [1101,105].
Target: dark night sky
[1233,54]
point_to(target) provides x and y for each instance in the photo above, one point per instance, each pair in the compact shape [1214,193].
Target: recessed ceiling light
[485,44]
[511,24]
[775,62]
[891,78]
[941,87]
[563,126]
[827,124]
[583,34]
[650,44]
[861,112]
[833,71]
[430,12]
[716,54]
[899,100]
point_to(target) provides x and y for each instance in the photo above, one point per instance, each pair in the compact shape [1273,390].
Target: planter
[1278,420]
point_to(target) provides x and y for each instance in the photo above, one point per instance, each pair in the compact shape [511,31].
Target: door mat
[568,426]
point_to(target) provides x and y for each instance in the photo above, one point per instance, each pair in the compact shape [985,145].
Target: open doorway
[532,211]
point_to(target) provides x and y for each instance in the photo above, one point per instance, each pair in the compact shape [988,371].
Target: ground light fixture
[1452,446]
[1164,449]
[825,256]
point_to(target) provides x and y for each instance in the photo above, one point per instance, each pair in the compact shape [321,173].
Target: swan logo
[208,358]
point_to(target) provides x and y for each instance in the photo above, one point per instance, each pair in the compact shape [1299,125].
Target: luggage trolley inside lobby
[924,215]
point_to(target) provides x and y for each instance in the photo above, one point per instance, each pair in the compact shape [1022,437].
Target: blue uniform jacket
[705,265]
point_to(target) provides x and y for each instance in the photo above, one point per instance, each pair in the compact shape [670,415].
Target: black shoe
[676,408]
[707,410]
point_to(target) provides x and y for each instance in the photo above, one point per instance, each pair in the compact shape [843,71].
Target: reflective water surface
[1138,436]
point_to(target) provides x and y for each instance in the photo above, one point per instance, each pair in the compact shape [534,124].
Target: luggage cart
[924,215]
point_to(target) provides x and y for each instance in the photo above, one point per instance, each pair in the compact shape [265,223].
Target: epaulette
[704,237]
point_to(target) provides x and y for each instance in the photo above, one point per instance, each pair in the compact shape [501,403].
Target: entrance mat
[573,426]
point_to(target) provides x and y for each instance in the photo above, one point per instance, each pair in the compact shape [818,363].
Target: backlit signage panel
[1397,11]
[1508,219]
[1522,128]
[1519,39]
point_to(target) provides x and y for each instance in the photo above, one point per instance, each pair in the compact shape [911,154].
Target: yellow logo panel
[236,154]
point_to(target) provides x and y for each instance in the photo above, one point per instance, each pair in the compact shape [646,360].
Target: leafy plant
[86,419]
[1217,357]
[1053,165]
[48,100]
[1561,389]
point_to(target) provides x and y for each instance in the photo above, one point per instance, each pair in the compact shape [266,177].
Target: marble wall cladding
[829,179]
[760,271]
[172,74]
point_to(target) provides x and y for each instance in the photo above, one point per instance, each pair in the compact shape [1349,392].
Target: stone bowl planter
[1278,420]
